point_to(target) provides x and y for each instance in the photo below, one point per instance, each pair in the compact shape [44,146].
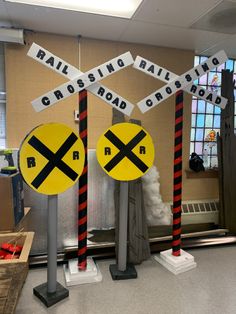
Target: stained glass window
[205,116]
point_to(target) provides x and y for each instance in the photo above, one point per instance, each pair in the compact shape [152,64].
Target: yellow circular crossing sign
[51,158]
[125,151]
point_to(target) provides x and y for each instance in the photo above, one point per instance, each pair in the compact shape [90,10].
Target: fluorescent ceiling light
[119,8]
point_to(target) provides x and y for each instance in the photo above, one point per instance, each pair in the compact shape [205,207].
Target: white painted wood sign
[181,82]
[80,80]
[164,75]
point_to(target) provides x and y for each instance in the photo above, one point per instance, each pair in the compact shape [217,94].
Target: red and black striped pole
[83,185]
[177,197]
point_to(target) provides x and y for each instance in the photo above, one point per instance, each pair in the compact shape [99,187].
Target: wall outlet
[76,115]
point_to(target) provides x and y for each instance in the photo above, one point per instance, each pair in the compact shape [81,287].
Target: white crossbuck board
[182,82]
[164,75]
[80,80]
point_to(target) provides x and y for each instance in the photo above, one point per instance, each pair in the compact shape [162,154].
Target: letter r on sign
[31,162]
[142,150]
[107,151]
[75,155]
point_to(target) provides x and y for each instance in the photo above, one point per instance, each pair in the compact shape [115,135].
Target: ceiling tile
[228,45]
[4,17]
[169,36]
[166,27]
[170,12]
[221,19]
[67,22]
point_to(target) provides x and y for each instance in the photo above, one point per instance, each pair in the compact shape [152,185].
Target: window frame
[205,116]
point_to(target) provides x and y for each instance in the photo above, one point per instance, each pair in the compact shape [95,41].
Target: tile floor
[208,289]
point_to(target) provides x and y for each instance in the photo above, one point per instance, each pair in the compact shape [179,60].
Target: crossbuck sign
[88,80]
[184,81]
[80,80]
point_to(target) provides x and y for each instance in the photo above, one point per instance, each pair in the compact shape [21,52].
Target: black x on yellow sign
[51,158]
[125,151]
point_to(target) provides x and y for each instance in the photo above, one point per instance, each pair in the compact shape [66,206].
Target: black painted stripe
[177,192]
[178,153]
[177,215]
[178,140]
[176,237]
[179,126]
[176,226]
[55,160]
[177,204]
[179,97]
[178,167]
[82,257]
[82,229]
[176,248]
[179,114]
[178,180]
[83,197]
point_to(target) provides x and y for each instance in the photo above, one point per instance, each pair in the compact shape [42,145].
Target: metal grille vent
[197,207]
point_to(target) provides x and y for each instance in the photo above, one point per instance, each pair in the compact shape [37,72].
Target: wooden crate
[13,272]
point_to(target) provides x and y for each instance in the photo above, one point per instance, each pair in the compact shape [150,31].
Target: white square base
[176,264]
[75,277]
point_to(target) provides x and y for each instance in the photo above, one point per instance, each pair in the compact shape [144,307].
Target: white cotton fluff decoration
[157,212]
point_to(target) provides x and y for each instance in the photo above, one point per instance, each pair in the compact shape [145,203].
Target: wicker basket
[13,272]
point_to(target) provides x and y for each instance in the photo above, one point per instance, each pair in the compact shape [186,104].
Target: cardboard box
[13,272]
[12,201]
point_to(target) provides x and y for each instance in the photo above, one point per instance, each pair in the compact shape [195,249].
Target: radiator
[200,211]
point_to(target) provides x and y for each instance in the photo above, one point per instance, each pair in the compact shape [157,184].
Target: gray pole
[51,291]
[52,244]
[123,225]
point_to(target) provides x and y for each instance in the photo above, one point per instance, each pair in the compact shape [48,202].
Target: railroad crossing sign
[176,83]
[80,80]
[164,75]
[125,151]
[51,158]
